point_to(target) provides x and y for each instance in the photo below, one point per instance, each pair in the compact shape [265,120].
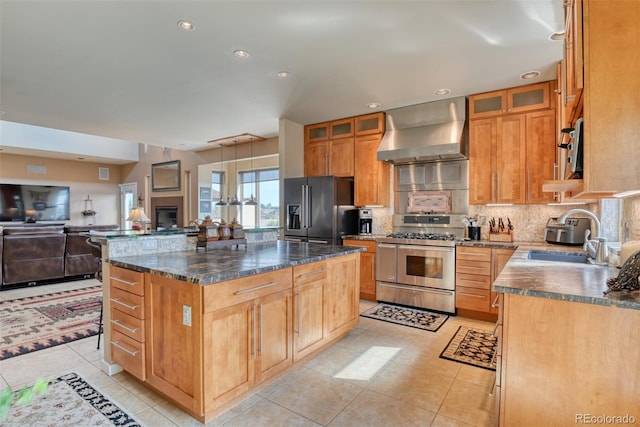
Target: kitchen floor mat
[473,347]
[407,316]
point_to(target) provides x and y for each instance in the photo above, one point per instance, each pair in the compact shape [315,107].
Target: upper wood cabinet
[609,101]
[371,176]
[348,148]
[510,155]
[506,101]
[370,124]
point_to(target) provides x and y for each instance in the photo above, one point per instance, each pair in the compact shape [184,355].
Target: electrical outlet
[149,244]
[186,315]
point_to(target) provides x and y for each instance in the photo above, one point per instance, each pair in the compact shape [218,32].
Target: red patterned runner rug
[35,323]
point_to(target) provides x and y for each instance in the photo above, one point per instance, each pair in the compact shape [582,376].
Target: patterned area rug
[69,402]
[35,323]
[473,347]
[414,317]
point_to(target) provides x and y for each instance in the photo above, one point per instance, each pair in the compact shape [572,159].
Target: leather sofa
[78,258]
[34,255]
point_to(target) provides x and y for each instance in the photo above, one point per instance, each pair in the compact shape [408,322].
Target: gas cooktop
[425,239]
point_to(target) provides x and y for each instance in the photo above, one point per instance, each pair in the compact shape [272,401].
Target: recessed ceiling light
[185,25]
[80,158]
[241,53]
[283,74]
[530,75]
[373,105]
[443,91]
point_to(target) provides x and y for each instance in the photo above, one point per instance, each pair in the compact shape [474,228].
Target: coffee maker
[365,222]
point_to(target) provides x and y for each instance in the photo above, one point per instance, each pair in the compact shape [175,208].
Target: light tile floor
[381,374]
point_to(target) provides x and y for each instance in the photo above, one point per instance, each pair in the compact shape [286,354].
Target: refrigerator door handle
[307,206]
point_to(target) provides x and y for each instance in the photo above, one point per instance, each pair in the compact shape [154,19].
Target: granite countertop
[565,281]
[231,262]
[362,237]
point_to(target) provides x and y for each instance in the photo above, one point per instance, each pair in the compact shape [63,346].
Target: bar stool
[96,251]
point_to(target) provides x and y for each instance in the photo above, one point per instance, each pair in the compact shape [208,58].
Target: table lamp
[138,217]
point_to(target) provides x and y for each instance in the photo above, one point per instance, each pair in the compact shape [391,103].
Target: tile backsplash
[530,220]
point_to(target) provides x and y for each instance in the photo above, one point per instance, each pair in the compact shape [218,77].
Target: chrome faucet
[597,252]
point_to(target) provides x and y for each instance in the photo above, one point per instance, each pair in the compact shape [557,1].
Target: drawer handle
[130,307]
[117,279]
[472,268]
[473,254]
[313,273]
[245,291]
[472,295]
[126,350]
[123,326]
[475,281]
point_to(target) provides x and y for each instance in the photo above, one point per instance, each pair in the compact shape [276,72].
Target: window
[217,179]
[264,186]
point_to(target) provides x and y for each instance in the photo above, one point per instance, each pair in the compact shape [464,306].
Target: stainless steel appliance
[417,270]
[572,232]
[319,209]
[416,263]
[574,153]
[427,132]
[365,222]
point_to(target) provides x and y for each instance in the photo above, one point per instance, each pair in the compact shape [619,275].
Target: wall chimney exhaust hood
[429,132]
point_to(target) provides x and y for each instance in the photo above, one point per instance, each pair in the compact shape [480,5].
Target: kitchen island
[204,328]
[567,353]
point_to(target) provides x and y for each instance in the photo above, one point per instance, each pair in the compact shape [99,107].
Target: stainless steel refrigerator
[319,209]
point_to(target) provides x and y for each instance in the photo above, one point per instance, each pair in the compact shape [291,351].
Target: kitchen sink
[541,255]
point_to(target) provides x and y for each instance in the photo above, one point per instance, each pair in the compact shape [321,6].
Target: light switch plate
[186,315]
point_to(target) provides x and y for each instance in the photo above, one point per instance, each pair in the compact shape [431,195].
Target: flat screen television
[29,203]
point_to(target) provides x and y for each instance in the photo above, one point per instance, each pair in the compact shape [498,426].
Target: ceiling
[124,70]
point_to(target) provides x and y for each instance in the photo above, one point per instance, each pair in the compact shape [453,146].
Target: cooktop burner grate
[422,236]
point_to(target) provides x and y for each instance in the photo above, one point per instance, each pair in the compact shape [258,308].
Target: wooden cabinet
[510,156]
[173,315]
[370,124]
[540,154]
[476,270]
[128,320]
[205,347]
[562,360]
[371,176]
[309,281]
[609,98]
[341,299]
[247,334]
[515,100]
[329,148]
[367,267]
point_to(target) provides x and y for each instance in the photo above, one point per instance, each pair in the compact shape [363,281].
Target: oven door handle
[426,248]
[419,288]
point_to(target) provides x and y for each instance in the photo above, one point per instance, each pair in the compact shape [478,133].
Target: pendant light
[221,202]
[252,201]
[234,200]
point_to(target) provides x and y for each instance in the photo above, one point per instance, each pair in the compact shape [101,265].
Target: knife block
[501,237]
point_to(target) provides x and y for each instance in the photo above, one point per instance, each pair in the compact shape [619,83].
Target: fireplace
[166,212]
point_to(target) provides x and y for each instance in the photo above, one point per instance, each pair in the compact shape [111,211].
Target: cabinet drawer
[308,273]
[472,299]
[231,292]
[369,244]
[474,267]
[473,281]
[127,280]
[473,254]
[129,354]
[127,302]
[128,325]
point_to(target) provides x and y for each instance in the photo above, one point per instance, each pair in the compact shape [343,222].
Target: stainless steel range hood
[427,132]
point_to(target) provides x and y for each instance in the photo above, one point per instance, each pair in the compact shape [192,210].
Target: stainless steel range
[416,263]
